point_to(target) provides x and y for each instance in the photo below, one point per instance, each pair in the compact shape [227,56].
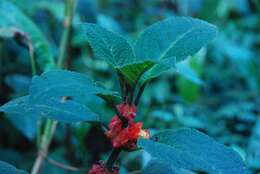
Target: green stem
[48,133]
[32,59]
[51,125]
[139,94]
[112,158]
[122,83]
[39,132]
[116,151]
[44,146]
[69,12]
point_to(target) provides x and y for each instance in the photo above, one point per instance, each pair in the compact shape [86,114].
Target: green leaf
[27,124]
[174,38]
[191,150]
[61,95]
[155,167]
[6,168]
[133,72]
[115,50]
[55,108]
[67,111]
[16,111]
[109,46]
[63,83]
[186,71]
[15,24]
[188,82]
[171,41]
[109,23]
[154,72]
[110,98]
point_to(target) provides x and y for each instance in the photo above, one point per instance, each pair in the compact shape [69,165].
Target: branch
[112,158]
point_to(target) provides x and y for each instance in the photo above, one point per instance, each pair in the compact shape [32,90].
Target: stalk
[69,12]
[51,125]
[139,94]
[32,59]
[44,146]
[112,158]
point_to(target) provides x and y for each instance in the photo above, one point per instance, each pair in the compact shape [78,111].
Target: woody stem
[112,158]
[116,151]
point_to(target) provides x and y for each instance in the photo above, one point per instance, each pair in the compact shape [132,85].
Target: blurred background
[218,96]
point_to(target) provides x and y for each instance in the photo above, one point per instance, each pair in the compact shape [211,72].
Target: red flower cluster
[125,137]
[99,168]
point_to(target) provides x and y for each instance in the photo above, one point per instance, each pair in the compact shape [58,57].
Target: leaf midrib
[177,40]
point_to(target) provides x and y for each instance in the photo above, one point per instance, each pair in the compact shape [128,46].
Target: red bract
[128,111]
[115,127]
[125,137]
[99,168]
[128,136]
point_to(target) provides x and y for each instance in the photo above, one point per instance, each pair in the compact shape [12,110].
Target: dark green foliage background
[217,93]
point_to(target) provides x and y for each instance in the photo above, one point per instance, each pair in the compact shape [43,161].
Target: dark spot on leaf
[65,98]
[69,97]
